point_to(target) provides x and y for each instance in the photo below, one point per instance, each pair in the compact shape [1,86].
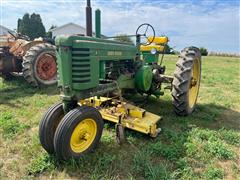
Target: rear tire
[48,126]
[39,65]
[186,81]
[78,133]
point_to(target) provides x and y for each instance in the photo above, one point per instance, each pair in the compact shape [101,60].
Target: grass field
[205,145]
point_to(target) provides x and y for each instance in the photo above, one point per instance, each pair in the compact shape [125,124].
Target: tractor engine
[113,69]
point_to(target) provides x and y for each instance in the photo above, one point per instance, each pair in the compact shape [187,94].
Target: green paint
[98,23]
[81,64]
[150,58]
[64,67]
[126,82]
[143,78]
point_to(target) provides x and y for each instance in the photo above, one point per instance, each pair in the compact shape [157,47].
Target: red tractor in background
[34,60]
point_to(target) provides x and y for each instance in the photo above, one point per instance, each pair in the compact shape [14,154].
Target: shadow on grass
[19,88]
[209,116]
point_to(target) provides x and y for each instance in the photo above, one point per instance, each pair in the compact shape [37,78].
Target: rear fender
[20,47]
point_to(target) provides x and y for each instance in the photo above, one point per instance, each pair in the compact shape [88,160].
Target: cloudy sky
[213,24]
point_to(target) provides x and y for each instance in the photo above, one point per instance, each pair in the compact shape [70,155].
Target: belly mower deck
[126,114]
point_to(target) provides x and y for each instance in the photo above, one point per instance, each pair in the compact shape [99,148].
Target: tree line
[32,26]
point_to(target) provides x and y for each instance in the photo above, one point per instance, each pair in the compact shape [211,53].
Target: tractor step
[132,117]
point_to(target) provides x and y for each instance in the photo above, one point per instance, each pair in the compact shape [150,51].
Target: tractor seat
[158,43]
[158,40]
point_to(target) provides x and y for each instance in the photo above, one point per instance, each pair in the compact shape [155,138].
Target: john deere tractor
[95,74]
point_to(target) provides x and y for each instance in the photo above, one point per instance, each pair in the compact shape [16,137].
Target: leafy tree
[203,51]
[23,24]
[123,38]
[49,33]
[19,27]
[31,26]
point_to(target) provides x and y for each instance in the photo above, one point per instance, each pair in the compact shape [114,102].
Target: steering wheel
[142,30]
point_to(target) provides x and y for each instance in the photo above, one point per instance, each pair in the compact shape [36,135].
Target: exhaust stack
[88,19]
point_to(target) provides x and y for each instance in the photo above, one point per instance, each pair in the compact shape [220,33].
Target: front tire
[48,126]
[78,133]
[186,81]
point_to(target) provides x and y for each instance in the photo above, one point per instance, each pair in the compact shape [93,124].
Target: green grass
[10,127]
[214,173]
[205,145]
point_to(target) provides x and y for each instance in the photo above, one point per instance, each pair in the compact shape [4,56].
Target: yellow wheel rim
[194,84]
[83,135]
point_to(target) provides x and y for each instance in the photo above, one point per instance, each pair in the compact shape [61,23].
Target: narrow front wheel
[48,125]
[78,133]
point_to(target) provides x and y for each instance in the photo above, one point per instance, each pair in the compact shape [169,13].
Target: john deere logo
[114,53]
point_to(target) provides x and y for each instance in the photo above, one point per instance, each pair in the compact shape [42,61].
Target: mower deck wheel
[120,137]
[78,133]
[48,126]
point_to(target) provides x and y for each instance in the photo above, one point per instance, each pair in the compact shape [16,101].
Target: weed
[213,173]
[193,148]
[204,134]
[230,136]
[181,163]
[107,138]
[156,172]
[143,165]
[140,161]
[169,135]
[168,151]
[40,163]
[105,161]
[131,177]
[131,139]
[204,144]
[235,168]
[10,126]
[186,173]
[219,149]
[104,167]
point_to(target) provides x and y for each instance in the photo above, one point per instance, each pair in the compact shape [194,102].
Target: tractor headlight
[153,51]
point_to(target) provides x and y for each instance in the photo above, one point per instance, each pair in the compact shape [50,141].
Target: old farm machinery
[95,74]
[35,60]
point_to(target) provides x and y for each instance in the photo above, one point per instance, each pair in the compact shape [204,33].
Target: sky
[213,24]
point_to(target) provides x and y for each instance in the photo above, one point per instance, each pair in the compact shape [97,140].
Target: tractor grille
[81,65]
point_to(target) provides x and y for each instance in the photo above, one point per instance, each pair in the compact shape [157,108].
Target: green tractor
[94,76]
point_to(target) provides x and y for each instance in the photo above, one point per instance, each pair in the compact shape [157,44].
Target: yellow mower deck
[131,116]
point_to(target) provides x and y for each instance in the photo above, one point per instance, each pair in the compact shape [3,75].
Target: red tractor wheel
[39,65]
[46,67]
